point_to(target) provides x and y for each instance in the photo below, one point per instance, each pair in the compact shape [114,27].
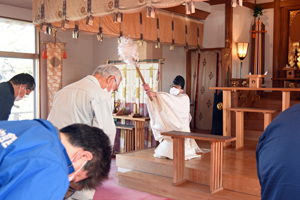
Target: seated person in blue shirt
[38,162]
[278,157]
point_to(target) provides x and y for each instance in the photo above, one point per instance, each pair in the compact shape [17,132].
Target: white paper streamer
[127,51]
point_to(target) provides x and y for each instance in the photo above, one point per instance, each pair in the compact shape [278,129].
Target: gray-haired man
[88,101]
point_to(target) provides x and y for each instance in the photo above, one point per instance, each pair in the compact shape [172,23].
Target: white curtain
[131,91]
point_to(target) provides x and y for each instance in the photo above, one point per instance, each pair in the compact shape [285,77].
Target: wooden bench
[129,143]
[217,143]
[239,122]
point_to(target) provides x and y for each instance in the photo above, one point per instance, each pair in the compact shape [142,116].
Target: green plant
[257,10]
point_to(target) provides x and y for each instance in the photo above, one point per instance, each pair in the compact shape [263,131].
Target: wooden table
[227,102]
[139,131]
[216,166]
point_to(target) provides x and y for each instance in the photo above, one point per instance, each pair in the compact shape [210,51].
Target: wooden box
[290,72]
[255,81]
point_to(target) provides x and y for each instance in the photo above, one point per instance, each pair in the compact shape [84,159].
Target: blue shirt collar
[69,162]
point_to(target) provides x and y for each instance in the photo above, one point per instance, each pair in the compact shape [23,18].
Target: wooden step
[238,175]
[162,186]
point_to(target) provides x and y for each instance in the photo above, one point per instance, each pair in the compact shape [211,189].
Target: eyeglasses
[26,95]
[70,192]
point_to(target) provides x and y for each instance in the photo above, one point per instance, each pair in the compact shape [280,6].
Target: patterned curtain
[207,78]
[54,71]
[130,92]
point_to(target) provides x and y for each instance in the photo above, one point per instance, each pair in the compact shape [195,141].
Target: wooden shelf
[122,126]
[289,68]
[285,79]
[132,118]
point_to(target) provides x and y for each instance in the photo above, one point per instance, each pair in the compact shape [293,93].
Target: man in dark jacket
[14,90]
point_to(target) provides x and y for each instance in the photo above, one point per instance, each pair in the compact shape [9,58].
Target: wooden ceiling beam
[249,5]
[282,4]
[289,3]
[267,5]
[216,2]
[199,14]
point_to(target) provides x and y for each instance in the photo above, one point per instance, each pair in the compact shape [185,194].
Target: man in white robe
[88,101]
[170,112]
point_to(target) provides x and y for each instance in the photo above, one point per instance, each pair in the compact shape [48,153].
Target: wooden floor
[154,175]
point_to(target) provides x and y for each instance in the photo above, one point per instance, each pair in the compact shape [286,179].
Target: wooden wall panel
[276,43]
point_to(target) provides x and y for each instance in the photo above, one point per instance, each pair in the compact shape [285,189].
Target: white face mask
[174,91]
[111,91]
[18,98]
[71,177]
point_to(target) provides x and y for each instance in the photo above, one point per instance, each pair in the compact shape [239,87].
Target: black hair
[179,80]
[94,140]
[24,78]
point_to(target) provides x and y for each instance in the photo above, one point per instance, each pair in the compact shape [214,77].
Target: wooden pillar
[239,130]
[234,104]
[178,161]
[188,74]
[228,38]
[267,119]
[216,181]
[276,43]
[226,114]
[228,23]
[284,27]
[286,100]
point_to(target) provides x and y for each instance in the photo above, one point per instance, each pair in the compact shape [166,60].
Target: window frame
[36,66]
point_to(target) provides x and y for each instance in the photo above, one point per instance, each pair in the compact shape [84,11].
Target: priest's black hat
[179,80]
